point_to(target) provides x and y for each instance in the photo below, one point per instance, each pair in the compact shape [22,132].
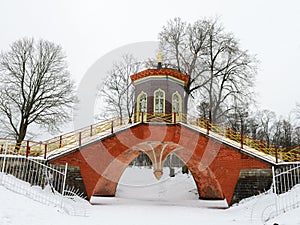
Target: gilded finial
[159,57]
[159,60]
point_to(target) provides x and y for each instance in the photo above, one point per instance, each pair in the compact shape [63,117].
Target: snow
[141,199]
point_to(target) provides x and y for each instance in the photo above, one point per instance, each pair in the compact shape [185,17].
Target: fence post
[261,145]
[60,141]
[112,127]
[228,133]
[242,142]
[142,117]
[174,117]
[27,149]
[79,139]
[64,185]
[1,150]
[4,159]
[45,152]
[276,154]
[91,131]
[207,127]
[3,164]
[275,189]
[65,178]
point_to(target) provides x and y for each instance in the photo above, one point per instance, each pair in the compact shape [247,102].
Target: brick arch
[108,181]
[207,184]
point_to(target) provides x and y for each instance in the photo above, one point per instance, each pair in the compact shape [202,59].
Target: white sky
[88,29]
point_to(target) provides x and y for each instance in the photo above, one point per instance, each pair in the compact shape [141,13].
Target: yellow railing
[280,154]
[77,138]
[24,148]
[62,142]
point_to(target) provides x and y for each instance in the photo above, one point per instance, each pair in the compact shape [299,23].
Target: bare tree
[283,133]
[238,120]
[296,112]
[213,59]
[296,136]
[295,117]
[202,109]
[35,87]
[117,91]
[183,47]
[277,133]
[252,127]
[231,72]
[267,119]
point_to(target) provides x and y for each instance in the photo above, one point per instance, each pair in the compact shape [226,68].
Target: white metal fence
[40,181]
[283,196]
[286,187]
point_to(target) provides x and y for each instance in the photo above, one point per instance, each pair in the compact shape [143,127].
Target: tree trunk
[21,135]
[210,105]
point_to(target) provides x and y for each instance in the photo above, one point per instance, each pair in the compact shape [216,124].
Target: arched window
[159,101]
[142,102]
[176,102]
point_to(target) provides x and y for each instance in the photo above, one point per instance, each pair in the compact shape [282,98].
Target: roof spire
[159,60]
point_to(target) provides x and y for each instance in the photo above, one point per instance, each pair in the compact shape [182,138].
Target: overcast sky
[88,29]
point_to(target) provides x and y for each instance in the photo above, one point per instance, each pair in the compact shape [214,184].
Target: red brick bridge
[218,164]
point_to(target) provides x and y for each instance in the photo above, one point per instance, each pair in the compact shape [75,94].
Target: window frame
[163,99]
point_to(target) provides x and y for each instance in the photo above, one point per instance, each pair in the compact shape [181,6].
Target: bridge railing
[280,154]
[86,134]
[28,148]
[64,141]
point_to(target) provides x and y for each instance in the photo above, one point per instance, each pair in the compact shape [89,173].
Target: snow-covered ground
[143,200]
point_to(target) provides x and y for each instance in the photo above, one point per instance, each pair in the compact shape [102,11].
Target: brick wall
[252,182]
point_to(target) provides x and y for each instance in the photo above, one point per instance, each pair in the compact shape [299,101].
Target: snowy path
[142,200]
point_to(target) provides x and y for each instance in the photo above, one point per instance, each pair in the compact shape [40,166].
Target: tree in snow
[217,65]
[283,133]
[35,87]
[267,118]
[117,93]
